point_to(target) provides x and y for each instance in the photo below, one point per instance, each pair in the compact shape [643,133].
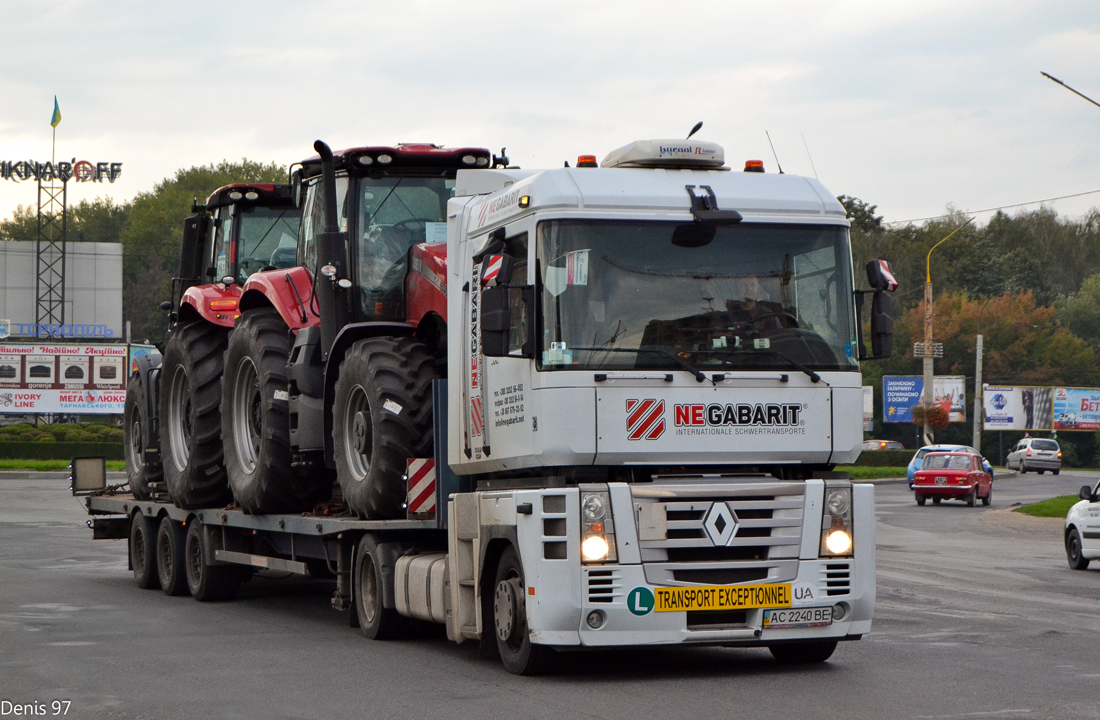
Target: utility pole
[928,349]
[979,405]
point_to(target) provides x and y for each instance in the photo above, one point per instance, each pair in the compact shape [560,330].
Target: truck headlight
[597,526]
[836,522]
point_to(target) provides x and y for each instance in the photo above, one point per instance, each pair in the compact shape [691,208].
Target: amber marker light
[754,166]
[524,201]
[586,161]
[223,304]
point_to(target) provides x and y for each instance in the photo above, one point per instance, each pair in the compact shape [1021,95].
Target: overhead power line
[992,209]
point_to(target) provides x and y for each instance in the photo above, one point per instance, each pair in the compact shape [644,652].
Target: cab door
[1090,527]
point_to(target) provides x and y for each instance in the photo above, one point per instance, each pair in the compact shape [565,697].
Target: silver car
[1038,454]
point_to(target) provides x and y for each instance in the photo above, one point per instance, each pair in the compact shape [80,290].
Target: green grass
[1053,508]
[51,465]
[863,473]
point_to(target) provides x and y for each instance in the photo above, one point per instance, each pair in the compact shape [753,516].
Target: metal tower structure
[50,255]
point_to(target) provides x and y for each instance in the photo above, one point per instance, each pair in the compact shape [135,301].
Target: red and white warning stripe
[492,269]
[645,419]
[475,415]
[421,484]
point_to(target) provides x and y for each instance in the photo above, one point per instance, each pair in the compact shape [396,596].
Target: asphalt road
[978,616]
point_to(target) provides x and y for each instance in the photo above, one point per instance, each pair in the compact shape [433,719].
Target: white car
[1036,454]
[1083,529]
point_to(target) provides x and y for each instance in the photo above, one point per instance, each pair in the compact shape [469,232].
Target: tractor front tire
[382,416]
[256,420]
[137,435]
[190,416]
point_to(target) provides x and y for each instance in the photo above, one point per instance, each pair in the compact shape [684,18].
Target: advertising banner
[868,408]
[55,378]
[1017,407]
[901,392]
[1076,409]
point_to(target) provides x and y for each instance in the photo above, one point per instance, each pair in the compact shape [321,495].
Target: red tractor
[330,365]
[172,414]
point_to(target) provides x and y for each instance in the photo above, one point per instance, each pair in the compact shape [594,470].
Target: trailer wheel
[143,559]
[803,653]
[171,538]
[136,431]
[517,652]
[208,583]
[190,402]
[382,416]
[376,621]
[1074,555]
[256,420]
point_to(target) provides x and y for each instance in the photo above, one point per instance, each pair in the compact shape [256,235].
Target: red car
[952,475]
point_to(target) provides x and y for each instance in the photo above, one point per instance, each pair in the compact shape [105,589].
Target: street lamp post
[928,352]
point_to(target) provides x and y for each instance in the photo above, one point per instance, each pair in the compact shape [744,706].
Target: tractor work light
[469,160]
[385,158]
[836,522]
[236,195]
[366,160]
[483,162]
[597,526]
[252,195]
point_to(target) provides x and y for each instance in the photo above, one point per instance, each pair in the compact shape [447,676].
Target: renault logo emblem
[720,524]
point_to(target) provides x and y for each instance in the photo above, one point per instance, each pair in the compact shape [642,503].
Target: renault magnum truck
[629,413]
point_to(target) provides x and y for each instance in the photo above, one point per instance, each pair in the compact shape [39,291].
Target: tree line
[1029,283]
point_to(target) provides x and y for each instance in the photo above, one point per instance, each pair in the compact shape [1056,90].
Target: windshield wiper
[696,372]
[814,377]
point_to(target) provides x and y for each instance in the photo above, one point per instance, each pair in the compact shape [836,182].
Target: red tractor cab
[952,475]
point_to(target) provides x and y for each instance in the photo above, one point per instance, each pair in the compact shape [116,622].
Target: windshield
[637,294]
[268,240]
[947,462]
[395,213]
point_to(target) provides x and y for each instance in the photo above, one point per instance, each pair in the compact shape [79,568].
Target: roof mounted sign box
[670,154]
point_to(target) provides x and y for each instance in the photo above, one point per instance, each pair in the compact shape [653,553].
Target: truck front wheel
[517,652]
[803,653]
[382,417]
[136,431]
[190,411]
[256,420]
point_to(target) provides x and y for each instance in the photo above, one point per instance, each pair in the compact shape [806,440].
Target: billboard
[1017,407]
[1076,409]
[901,392]
[69,379]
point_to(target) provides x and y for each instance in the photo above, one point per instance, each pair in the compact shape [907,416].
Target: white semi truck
[652,370]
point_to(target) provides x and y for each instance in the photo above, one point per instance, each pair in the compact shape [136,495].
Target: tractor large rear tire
[382,416]
[136,431]
[256,420]
[190,416]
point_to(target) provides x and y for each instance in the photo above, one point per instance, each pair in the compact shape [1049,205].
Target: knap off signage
[78,170]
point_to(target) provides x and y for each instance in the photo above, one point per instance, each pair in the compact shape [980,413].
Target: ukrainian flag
[56,113]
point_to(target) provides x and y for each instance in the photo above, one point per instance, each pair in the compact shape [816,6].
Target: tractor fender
[216,304]
[273,288]
[145,369]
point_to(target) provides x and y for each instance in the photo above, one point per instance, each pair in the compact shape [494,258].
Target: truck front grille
[605,586]
[838,579]
[719,530]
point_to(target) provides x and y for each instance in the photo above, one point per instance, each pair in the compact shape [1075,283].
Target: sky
[913,106]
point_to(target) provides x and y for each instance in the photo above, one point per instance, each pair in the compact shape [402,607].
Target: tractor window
[267,239]
[313,220]
[223,241]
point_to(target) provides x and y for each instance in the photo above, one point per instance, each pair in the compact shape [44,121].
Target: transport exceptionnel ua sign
[78,170]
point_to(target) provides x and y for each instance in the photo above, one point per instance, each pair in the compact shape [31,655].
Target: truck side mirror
[881,278]
[505,333]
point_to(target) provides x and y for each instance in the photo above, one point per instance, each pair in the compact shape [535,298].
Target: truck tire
[1074,555]
[382,416]
[143,558]
[190,416]
[136,431]
[256,420]
[171,538]
[509,620]
[803,653]
[208,583]
[376,621]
